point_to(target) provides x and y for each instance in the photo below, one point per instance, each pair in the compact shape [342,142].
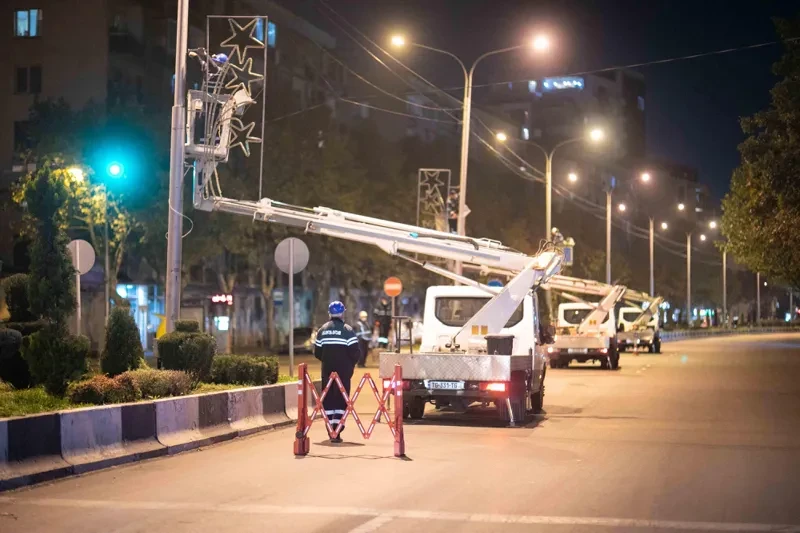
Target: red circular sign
[393,287]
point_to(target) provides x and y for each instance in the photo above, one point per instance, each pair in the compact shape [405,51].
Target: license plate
[577,350]
[444,385]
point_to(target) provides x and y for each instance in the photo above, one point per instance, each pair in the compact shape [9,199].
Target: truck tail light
[493,387]
[551,349]
[603,350]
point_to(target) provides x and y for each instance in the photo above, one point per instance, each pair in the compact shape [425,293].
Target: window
[272,32]
[526,134]
[28,23]
[532,86]
[575,316]
[28,80]
[456,311]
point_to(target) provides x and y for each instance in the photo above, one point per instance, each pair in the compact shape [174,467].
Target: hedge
[190,351]
[55,357]
[16,290]
[13,367]
[130,386]
[26,328]
[123,349]
[161,383]
[244,370]
[187,326]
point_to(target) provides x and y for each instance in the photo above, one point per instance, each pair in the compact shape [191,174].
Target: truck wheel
[537,398]
[614,359]
[604,363]
[416,408]
[555,363]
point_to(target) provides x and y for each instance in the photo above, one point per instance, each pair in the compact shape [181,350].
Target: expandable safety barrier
[302,443]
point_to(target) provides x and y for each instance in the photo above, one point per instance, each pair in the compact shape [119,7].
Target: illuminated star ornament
[240,135]
[244,77]
[241,39]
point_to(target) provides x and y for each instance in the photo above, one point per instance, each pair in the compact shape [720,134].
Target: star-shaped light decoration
[244,77]
[241,39]
[241,133]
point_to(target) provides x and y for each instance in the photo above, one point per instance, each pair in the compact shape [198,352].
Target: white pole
[462,182]
[291,308]
[652,279]
[608,237]
[791,306]
[689,279]
[548,196]
[725,287]
[106,271]
[176,159]
[758,298]
[78,288]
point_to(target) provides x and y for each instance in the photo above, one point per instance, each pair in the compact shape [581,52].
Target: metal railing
[715,332]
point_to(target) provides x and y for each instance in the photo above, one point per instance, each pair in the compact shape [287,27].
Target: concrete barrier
[139,430]
[245,411]
[91,438]
[178,423]
[290,398]
[215,424]
[273,404]
[33,451]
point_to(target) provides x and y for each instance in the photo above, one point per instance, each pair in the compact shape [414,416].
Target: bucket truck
[585,331]
[639,324]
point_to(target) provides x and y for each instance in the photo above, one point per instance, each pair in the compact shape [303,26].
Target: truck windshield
[575,316]
[630,316]
[456,311]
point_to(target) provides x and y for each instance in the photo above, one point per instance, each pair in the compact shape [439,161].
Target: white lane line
[389,514]
[373,525]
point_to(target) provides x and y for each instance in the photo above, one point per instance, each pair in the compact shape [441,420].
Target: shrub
[244,370]
[13,367]
[5,387]
[26,328]
[123,350]
[160,383]
[55,357]
[16,290]
[192,352]
[187,326]
[101,389]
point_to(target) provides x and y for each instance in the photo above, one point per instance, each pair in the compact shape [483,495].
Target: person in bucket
[337,347]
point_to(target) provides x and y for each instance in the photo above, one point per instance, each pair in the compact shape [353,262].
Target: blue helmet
[336,309]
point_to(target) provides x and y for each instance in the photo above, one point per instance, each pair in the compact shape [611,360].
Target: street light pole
[176,161]
[725,286]
[608,236]
[689,279]
[758,298]
[652,279]
[105,246]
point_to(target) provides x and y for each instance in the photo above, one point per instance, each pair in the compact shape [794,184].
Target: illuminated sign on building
[222,298]
[557,84]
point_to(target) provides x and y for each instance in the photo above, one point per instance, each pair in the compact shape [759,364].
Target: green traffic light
[115,169]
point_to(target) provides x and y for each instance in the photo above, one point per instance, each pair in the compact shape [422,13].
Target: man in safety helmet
[364,335]
[336,346]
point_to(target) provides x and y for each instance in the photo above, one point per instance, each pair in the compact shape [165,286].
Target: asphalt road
[705,437]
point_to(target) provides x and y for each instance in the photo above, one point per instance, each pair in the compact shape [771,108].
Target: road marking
[373,525]
[389,514]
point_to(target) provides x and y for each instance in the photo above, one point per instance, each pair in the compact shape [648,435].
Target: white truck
[585,331]
[639,327]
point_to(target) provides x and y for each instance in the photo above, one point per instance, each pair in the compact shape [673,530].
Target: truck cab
[472,371]
[634,333]
[580,340]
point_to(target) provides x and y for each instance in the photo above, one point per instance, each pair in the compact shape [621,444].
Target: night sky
[692,107]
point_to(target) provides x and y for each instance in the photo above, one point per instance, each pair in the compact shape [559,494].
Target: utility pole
[176,160]
[652,280]
[758,298]
[462,181]
[725,286]
[608,236]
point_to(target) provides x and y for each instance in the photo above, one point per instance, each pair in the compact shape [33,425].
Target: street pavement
[704,437]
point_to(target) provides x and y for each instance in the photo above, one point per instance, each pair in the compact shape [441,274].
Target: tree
[591,264]
[52,280]
[762,210]
[123,349]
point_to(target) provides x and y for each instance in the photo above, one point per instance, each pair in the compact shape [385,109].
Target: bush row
[188,349]
[130,386]
[244,370]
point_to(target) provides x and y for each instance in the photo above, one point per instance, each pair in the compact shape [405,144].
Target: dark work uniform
[364,337]
[383,316]
[337,347]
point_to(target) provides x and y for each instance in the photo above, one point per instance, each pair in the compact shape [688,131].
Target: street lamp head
[681,207]
[664,225]
[597,135]
[702,237]
[712,224]
[115,169]
[541,43]
[398,40]
[572,177]
[622,207]
[76,173]
[645,177]
[501,136]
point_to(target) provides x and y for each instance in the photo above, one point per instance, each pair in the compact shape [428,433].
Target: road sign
[393,287]
[495,283]
[291,254]
[82,255]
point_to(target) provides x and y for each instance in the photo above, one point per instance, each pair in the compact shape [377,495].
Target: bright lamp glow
[597,135]
[541,43]
[398,40]
[115,169]
[76,173]
[664,225]
[712,224]
[645,177]
[501,136]
[622,207]
[702,237]
[681,207]
[572,177]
